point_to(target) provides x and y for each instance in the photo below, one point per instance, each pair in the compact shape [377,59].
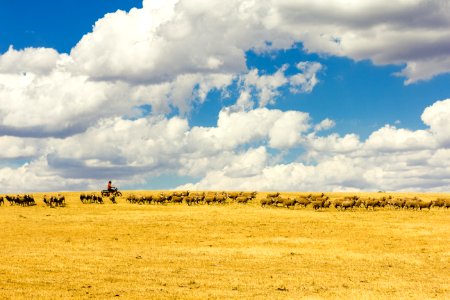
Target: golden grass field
[176,251]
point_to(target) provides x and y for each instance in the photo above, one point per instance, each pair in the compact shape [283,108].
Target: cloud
[415,33]
[392,159]
[305,82]
[13,147]
[245,150]
[155,45]
[325,125]
[34,60]
[57,104]
[155,145]
[389,138]
[266,88]
[437,117]
[171,55]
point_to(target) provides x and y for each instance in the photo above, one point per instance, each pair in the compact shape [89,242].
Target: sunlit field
[230,250]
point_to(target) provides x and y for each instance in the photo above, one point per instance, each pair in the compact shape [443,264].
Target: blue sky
[240,90]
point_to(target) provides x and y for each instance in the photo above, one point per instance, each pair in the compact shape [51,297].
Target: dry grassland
[221,251]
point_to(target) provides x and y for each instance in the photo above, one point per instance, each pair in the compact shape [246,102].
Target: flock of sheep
[352,202]
[316,202]
[192,198]
[93,198]
[55,201]
[25,200]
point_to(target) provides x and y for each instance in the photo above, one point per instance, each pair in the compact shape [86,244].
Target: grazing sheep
[46,201]
[411,203]
[344,203]
[423,204]
[322,203]
[277,200]
[233,195]
[441,203]
[372,203]
[198,197]
[189,200]
[316,204]
[316,197]
[180,193]
[251,195]
[160,199]
[243,199]
[303,201]
[208,199]
[289,202]
[131,198]
[327,203]
[10,199]
[273,195]
[359,202]
[348,204]
[396,203]
[177,199]
[61,201]
[83,198]
[221,197]
[266,201]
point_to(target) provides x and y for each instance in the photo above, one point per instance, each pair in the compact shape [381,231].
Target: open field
[240,251]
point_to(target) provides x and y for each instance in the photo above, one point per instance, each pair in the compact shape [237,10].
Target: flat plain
[237,251]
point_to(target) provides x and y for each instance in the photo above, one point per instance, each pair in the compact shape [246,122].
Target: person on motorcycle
[110,187]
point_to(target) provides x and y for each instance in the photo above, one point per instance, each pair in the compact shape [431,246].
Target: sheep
[303,201]
[83,198]
[160,199]
[189,200]
[289,202]
[180,193]
[243,199]
[444,203]
[221,198]
[277,200]
[345,203]
[273,195]
[423,204]
[251,195]
[396,203]
[323,203]
[372,203]
[326,204]
[198,197]
[316,204]
[61,200]
[208,199]
[266,201]
[348,204]
[233,195]
[10,199]
[316,197]
[177,199]
[411,203]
